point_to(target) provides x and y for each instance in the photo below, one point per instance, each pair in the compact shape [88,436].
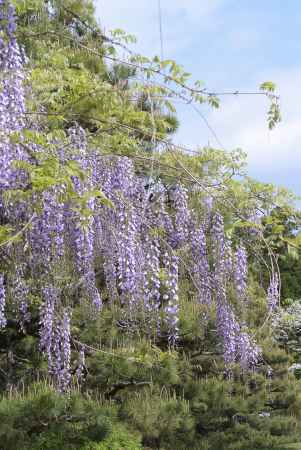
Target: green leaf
[268,86]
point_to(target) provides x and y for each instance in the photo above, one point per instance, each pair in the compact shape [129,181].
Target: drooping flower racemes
[273,296]
[81,365]
[47,322]
[182,220]
[2,302]
[238,346]
[125,251]
[171,297]
[200,265]
[241,272]
[12,99]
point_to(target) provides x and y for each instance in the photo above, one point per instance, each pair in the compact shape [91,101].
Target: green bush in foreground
[46,420]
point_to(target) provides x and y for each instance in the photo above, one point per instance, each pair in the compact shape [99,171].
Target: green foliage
[46,420]
[268,86]
[5,233]
[281,230]
[274,115]
[165,422]
[174,398]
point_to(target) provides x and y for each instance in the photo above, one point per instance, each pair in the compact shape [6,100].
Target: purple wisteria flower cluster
[128,251]
[12,99]
[20,292]
[273,296]
[241,272]
[2,302]
[200,265]
[172,298]
[238,345]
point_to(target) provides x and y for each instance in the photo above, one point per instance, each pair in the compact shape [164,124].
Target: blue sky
[229,45]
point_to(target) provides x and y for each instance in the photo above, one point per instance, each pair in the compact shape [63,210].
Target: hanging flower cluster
[20,293]
[182,215]
[126,251]
[241,272]
[81,365]
[2,302]
[237,344]
[273,296]
[172,298]
[200,267]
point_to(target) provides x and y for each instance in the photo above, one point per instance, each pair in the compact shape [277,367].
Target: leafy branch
[171,72]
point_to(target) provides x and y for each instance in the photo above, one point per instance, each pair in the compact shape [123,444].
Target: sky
[230,45]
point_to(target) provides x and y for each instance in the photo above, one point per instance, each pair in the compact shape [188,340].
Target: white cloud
[242,122]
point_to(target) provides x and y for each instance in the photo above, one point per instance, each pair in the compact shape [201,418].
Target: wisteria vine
[128,251]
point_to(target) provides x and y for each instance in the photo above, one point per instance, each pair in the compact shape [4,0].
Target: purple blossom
[65,375]
[12,101]
[81,364]
[228,330]
[109,251]
[20,293]
[200,266]
[152,281]
[182,215]
[241,272]
[127,255]
[273,296]
[61,351]
[3,320]
[47,232]
[84,259]
[172,298]
[248,351]
[218,248]
[130,243]
[50,295]
[56,363]
[238,346]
